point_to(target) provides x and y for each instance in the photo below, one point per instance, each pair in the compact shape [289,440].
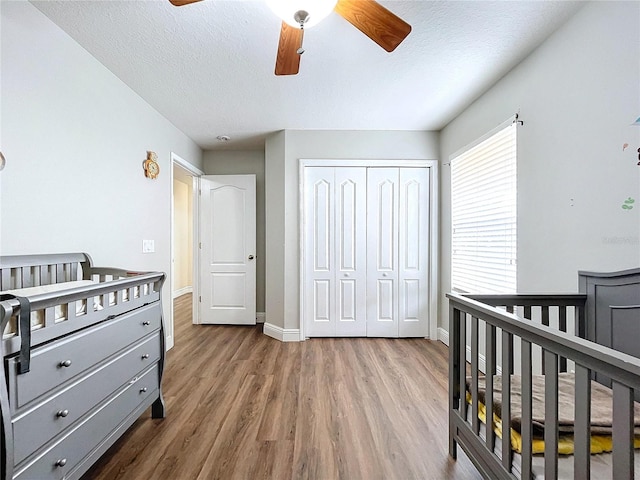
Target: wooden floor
[241,405]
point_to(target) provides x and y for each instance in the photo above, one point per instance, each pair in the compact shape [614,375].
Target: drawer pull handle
[143,390]
[66,363]
[146,322]
[61,462]
[145,356]
[62,413]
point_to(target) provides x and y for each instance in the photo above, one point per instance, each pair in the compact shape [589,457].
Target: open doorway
[184,235]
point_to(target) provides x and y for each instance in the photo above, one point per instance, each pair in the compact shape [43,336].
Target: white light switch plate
[148,246]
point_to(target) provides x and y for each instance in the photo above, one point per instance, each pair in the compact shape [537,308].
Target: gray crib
[83,354]
[593,336]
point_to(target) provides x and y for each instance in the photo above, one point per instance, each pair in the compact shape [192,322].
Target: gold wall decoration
[151,167]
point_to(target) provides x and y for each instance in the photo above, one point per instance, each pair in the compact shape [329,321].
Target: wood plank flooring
[241,405]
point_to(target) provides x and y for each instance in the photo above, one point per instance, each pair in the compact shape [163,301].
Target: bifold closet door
[397,252]
[335,251]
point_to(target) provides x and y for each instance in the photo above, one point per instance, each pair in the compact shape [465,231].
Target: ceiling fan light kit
[375,21]
[291,11]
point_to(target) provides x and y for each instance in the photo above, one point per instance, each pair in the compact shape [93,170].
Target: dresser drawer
[36,426]
[58,460]
[56,363]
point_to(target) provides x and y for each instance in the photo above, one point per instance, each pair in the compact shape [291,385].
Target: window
[483,211]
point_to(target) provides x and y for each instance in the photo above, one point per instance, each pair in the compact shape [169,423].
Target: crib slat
[582,453]
[544,319]
[6,279]
[27,280]
[551,415]
[474,375]
[490,353]
[454,392]
[507,366]
[43,275]
[463,365]
[59,273]
[527,312]
[581,327]
[527,427]
[545,315]
[622,431]
[18,277]
[75,266]
[562,325]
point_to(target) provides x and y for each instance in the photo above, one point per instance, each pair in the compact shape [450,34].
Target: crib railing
[468,317]
[546,309]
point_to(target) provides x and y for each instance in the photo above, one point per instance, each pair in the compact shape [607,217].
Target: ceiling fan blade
[376,22]
[288,58]
[180,3]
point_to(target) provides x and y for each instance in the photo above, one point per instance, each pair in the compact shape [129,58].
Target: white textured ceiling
[208,67]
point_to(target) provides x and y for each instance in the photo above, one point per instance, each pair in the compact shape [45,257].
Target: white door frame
[195,174]
[433,225]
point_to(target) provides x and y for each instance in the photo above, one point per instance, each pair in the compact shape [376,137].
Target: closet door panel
[413,245]
[351,250]
[382,252]
[319,284]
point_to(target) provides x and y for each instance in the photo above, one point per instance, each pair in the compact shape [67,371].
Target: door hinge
[200,298]
[200,245]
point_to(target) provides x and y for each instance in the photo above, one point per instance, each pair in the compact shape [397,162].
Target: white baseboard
[443,336]
[182,291]
[282,334]
[260,317]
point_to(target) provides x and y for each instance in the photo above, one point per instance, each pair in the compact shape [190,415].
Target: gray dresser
[92,369]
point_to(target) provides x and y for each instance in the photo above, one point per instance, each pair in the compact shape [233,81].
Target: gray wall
[578,94]
[241,163]
[75,138]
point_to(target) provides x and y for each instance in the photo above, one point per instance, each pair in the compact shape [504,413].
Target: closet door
[351,251]
[398,249]
[413,252]
[335,251]
[382,252]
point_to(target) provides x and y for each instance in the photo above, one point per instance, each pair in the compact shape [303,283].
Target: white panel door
[228,246]
[413,253]
[398,252]
[351,251]
[335,251]
[319,284]
[382,252]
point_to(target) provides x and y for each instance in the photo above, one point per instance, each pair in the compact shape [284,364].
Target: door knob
[250,257]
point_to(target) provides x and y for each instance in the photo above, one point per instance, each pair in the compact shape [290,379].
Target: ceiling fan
[375,21]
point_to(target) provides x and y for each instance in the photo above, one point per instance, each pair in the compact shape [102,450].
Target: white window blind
[483,197]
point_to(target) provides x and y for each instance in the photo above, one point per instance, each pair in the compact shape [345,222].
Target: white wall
[242,162]
[282,155]
[577,93]
[75,138]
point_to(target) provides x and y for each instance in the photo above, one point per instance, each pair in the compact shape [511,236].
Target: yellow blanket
[599,443]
